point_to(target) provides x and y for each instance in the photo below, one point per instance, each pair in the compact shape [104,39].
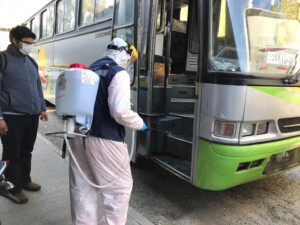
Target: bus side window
[47,22]
[103,9]
[35,26]
[44,24]
[60,17]
[87,12]
[69,15]
[124,13]
[65,16]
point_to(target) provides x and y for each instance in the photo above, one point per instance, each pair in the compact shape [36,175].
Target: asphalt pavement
[51,205]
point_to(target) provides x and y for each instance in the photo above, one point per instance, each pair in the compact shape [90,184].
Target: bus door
[124,26]
[174,87]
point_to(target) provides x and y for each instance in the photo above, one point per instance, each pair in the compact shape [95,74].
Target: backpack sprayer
[76,91]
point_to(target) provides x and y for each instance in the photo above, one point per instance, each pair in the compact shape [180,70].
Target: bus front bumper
[223,166]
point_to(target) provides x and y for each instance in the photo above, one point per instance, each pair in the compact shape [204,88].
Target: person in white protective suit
[103,155]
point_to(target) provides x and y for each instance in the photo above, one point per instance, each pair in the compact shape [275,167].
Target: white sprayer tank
[76,91]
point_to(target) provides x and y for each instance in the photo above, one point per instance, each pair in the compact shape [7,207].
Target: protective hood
[122,58]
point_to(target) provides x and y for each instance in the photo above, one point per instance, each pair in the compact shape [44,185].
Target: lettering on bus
[102,34]
[280,58]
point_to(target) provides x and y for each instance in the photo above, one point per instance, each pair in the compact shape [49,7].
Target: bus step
[182,79]
[181,105]
[178,167]
[182,91]
[183,100]
[179,146]
[176,145]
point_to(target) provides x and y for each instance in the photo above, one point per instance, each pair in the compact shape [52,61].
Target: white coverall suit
[103,160]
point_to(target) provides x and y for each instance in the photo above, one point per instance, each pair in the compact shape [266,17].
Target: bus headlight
[248,129]
[224,129]
[262,128]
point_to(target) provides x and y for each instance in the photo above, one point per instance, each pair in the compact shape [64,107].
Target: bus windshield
[255,37]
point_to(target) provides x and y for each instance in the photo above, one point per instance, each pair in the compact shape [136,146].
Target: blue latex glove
[144,127]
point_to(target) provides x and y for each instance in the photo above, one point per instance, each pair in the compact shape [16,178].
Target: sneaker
[19,198]
[32,186]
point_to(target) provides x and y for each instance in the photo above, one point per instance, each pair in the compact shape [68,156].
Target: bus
[216,81]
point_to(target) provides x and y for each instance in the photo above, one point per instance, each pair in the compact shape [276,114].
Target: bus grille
[289,125]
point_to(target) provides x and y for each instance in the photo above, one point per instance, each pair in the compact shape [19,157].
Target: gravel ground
[165,199]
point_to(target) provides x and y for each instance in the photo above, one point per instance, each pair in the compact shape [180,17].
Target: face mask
[130,71]
[131,65]
[26,49]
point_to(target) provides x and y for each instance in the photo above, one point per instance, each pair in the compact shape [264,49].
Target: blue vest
[103,125]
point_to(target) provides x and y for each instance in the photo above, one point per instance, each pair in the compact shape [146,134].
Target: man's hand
[3,127]
[44,116]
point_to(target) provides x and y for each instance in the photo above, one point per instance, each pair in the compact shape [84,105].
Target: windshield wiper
[292,79]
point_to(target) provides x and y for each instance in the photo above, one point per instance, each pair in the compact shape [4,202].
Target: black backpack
[3,63]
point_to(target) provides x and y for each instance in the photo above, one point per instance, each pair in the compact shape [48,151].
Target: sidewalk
[50,206]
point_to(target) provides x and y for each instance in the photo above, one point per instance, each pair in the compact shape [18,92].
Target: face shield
[122,53]
[134,56]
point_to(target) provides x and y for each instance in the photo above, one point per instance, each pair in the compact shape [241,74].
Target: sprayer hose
[82,173]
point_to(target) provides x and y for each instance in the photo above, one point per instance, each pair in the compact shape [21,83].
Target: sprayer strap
[83,142]
[64,150]
[3,64]
[33,62]
[107,65]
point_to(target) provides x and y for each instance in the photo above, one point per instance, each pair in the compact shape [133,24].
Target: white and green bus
[217,81]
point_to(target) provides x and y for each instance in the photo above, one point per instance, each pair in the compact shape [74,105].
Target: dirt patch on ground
[165,199]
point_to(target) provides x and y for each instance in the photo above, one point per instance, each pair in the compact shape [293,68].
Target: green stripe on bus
[217,163]
[280,92]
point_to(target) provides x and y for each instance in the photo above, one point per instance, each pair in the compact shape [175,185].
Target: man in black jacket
[21,104]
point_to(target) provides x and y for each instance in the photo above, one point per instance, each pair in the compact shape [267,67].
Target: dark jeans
[17,147]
